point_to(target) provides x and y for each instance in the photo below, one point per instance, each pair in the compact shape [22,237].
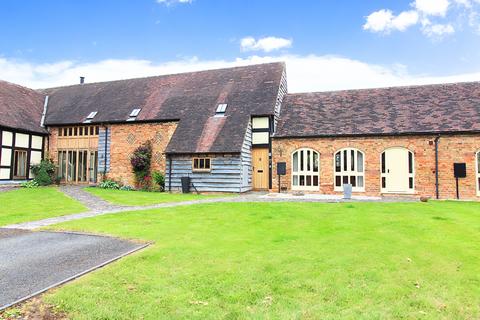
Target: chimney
[82,80]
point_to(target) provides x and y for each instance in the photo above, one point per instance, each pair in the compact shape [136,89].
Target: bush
[159,180]
[127,188]
[44,172]
[29,184]
[141,161]
[109,184]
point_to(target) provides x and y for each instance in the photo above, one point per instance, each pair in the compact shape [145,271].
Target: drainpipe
[169,173]
[437,139]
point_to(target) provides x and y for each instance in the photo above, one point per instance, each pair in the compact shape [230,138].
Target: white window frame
[410,175]
[311,173]
[477,167]
[349,172]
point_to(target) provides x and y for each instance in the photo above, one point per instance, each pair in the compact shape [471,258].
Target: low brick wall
[454,148]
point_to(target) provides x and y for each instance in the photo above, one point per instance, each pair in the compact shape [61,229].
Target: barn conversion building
[229,130]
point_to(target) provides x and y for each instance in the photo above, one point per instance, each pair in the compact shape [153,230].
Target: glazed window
[349,167]
[305,170]
[201,164]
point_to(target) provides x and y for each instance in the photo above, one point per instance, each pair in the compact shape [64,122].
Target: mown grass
[24,205]
[286,261]
[142,198]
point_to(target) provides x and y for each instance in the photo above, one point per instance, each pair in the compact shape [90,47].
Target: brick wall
[125,138]
[458,148]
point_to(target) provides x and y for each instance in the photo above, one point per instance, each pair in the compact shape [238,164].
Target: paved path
[32,262]
[98,206]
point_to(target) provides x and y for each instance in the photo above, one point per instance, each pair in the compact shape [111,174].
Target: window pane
[308,160]
[360,181]
[383,162]
[410,162]
[315,181]
[359,161]
[295,180]
[60,132]
[195,163]
[478,162]
[309,180]
[384,182]
[207,163]
[315,162]
[302,180]
[338,181]
[410,183]
[295,162]
[352,160]
[345,180]
[353,181]
[201,164]
[301,160]
[345,166]
[338,164]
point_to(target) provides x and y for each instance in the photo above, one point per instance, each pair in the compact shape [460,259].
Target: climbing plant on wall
[141,161]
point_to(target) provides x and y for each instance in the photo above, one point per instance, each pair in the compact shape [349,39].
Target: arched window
[305,170]
[398,170]
[349,169]
[478,173]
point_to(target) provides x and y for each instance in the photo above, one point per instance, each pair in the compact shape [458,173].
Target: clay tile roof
[20,107]
[190,98]
[402,110]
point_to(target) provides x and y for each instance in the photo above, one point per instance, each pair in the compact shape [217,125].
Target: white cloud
[305,73]
[438,30]
[266,44]
[436,18]
[170,2]
[432,7]
[385,21]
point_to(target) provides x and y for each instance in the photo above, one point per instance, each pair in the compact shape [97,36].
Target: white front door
[398,171]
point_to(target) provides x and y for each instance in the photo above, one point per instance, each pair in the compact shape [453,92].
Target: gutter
[437,192]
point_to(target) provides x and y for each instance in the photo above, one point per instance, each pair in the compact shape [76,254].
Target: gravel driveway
[31,262]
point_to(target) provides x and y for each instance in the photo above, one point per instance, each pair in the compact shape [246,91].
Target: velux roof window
[90,116]
[134,114]
[221,108]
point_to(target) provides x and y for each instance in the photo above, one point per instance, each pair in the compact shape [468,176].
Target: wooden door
[397,170]
[260,164]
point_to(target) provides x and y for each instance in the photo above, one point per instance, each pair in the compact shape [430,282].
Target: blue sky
[326,44]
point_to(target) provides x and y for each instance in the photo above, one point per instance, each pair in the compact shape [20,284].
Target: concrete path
[99,207]
[33,262]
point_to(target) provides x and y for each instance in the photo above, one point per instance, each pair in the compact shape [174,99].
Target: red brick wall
[459,148]
[125,138]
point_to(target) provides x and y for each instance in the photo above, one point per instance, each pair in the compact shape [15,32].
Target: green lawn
[142,198]
[35,204]
[286,261]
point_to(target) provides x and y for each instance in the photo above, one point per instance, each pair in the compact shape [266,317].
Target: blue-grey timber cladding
[225,175]
[102,156]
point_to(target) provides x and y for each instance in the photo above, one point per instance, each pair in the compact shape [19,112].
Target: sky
[326,44]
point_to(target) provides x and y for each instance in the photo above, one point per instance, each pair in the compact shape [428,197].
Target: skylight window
[135,112]
[221,108]
[92,115]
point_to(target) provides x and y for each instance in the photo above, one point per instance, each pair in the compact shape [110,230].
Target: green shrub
[127,188]
[29,184]
[109,184]
[159,180]
[44,172]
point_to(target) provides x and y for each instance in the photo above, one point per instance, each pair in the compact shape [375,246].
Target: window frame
[204,169]
[349,172]
[311,173]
